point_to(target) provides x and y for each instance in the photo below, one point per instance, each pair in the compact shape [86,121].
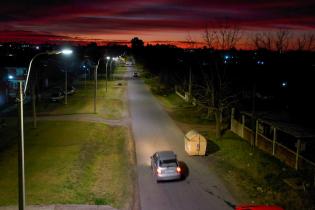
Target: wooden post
[232,117]
[256,134]
[274,141]
[298,149]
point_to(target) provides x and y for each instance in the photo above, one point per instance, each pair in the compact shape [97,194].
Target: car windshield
[168,163]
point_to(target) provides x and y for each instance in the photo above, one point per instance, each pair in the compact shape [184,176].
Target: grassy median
[70,163]
[109,104]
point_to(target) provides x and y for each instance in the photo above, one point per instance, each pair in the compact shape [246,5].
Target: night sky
[156,20]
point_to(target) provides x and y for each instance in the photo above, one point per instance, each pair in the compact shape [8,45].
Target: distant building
[9,83]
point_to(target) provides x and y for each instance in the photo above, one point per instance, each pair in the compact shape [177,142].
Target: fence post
[274,141]
[297,154]
[243,125]
[232,117]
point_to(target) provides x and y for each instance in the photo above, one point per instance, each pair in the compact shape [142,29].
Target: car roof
[166,155]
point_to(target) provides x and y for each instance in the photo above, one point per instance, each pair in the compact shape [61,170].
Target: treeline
[251,80]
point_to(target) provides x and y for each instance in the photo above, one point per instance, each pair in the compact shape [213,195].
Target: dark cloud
[93,18]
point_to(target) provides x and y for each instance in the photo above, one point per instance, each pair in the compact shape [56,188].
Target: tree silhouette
[136,43]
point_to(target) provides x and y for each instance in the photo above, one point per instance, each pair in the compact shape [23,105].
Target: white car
[165,166]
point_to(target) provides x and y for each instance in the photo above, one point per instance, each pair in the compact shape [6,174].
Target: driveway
[153,130]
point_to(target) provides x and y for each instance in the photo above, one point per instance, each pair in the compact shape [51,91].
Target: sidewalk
[61,207]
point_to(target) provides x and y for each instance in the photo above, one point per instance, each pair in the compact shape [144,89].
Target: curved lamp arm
[65,51]
[29,70]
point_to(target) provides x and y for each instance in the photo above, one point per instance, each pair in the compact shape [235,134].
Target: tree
[263,41]
[306,42]
[217,96]
[227,36]
[209,38]
[137,43]
[282,40]
[190,41]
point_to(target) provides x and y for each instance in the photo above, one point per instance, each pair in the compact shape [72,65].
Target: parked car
[258,207]
[70,90]
[57,96]
[165,166]
[135,74]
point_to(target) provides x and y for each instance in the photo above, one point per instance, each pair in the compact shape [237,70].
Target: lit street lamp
[95,78]
[108,58]
[110,66]
[21,170]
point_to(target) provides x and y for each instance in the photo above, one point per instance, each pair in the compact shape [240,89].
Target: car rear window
[169,163]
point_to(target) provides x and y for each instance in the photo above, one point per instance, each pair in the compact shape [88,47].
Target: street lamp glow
[10,77]
[284,84]
[66,51]
[108,58]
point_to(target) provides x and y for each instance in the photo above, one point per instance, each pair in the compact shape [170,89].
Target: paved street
[153,130]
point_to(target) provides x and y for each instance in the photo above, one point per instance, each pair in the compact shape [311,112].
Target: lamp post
[66,86]
[21,168]
[84,67]
[107,58]
[95,79]
[114,59]
[110,66]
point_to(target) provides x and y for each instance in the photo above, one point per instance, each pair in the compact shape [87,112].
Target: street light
[110,66]
[21,170]
[108,58]
[95,78]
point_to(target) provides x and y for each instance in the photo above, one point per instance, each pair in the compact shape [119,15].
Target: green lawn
[70,163]
[182,111]
[254,176]
[110,104]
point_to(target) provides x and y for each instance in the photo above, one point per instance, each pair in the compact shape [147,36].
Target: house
[9,82]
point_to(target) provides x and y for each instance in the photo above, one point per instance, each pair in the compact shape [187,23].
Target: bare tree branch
[227,36]
[306,42]
[209,37]
[282,40]
[190,41]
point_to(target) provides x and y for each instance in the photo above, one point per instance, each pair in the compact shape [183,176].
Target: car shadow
[184,169]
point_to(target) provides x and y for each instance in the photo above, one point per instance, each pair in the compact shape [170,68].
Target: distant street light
[95,78]
[110,65]
[21,170]
[108,58]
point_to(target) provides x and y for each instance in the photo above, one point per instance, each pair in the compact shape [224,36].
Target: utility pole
[190,85]
[66,86]
[95,91]
[21,170]
[34,106]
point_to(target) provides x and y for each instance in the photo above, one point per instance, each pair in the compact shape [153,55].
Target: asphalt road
[153,130]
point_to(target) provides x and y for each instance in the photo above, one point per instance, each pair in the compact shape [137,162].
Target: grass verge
[110,104]
[70,163]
